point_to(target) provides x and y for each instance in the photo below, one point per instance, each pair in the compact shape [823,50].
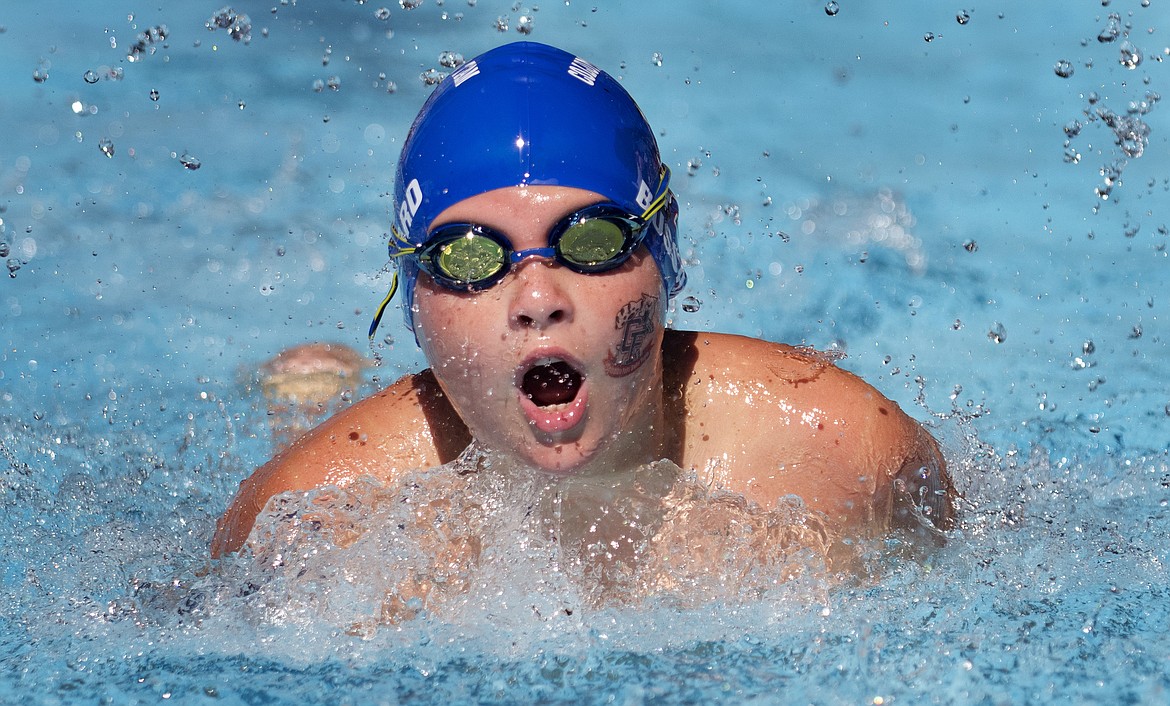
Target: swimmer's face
[558,369]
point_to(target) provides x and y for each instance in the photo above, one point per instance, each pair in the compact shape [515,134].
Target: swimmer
[303,384]
[535,238]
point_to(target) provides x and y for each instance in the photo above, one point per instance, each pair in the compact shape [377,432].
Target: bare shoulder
[769,419]
[738,370]
[405,426]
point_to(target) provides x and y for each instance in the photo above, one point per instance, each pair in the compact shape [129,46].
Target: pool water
[971,202]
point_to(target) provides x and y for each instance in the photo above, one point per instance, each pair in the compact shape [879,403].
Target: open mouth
[551,383]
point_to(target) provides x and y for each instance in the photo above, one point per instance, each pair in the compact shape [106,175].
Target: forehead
[517,207]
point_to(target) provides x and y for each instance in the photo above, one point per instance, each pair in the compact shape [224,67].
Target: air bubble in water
[154,94]
[91,77]
[929,37]
[997,334]
[970,246]
[409,4]
[691,304]
[189,161]
[13,266]
[501,24]
[3,249]
[382,13]
[334,83]
[832,8]
[656,58]
[524,24]
[1063,68]
[106,145]
[40,76]
[318,85]
[451,59]
[963,17]
[1072,128]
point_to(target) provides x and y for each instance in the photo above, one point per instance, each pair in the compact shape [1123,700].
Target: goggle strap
[664,192]
[389,295]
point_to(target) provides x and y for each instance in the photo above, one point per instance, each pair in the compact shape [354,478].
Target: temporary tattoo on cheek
[636,322]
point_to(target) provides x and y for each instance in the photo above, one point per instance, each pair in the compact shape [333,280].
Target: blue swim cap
[529,114]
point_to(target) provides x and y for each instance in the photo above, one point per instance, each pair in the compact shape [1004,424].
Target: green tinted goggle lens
[592,242]
[471,258]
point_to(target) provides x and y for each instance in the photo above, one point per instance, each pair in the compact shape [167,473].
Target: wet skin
[575,374]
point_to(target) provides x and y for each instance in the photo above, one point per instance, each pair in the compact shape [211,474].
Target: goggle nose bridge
[547,252]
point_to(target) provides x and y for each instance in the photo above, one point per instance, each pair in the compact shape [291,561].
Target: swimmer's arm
[406,426]
[922,485]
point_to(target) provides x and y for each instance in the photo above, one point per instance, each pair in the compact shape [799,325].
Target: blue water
[845,182]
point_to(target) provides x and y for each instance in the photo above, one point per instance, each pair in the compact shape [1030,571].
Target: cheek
[636,321]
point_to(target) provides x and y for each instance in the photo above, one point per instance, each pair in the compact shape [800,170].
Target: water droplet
[1131,56]
[1112,30]
[409,4]
[190,162]
[382,13]
[832,8]
[1063,68]
[997,334]
[145,42]
[971,246]
[451,59]
[238,25]
[106,145]
[963,17]
[691,304]
[154,94]
[91,77]
[430,77]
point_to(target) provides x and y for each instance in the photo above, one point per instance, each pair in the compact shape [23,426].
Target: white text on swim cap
[583,71]
[465,72]
[411,200]
[645,195]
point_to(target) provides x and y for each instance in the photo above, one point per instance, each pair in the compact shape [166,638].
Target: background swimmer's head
[529,114]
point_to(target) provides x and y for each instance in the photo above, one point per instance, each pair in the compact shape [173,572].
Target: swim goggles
[468,257]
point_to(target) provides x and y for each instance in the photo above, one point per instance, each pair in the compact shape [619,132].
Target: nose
[538,296]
